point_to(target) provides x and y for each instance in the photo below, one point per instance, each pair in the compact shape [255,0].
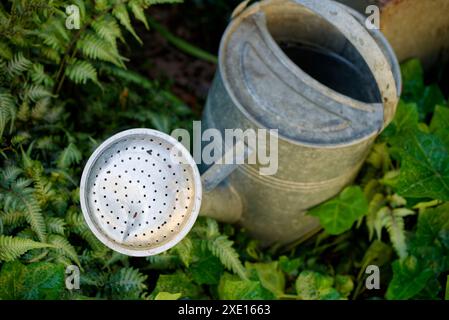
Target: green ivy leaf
[413,80]
[44,280]
[433,225]
[290,266]
[405,120]
[409,278]
[269,276]
[177,282]
[231,287]
[344,285]
[11,281]
[36,281]
[425,168]
[339,214]
[431,97]
[207,270]
[312,285]
[439,125]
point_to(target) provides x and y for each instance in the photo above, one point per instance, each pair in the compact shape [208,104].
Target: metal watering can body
[141,190]
[324,135]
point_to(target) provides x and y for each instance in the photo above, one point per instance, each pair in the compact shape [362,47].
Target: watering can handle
[220,199]
[219,171]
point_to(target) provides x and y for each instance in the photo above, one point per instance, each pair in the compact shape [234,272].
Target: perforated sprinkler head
[140,192]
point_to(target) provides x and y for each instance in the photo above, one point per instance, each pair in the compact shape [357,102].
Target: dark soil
[187,77]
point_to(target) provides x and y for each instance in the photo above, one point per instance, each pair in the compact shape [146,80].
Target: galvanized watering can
[311,70]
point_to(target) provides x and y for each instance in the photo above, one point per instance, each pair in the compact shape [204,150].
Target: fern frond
[20,197]
[5,51]
[81,71]
[77,225]
[7,111]
[18,64]
[393,221]
[41,108]
[221,247]
[63,247]
[122,15]
[54,34]
[184,250]
[377,202]
[23,113]
[128,282]
[38,75]
[164,261]
[13,247]
[51,54]
[94,47]
[137,8]
[212,230]
[55,225]
[45,143]
[35,92]
[9,175]
[13,218]
[108,29]
[70,155]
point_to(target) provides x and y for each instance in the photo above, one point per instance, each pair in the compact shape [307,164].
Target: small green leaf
[177,282]
[167,296]
[290,266]
[269,276]
[339,214]
[232,287]
[312,285]
[344,285]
